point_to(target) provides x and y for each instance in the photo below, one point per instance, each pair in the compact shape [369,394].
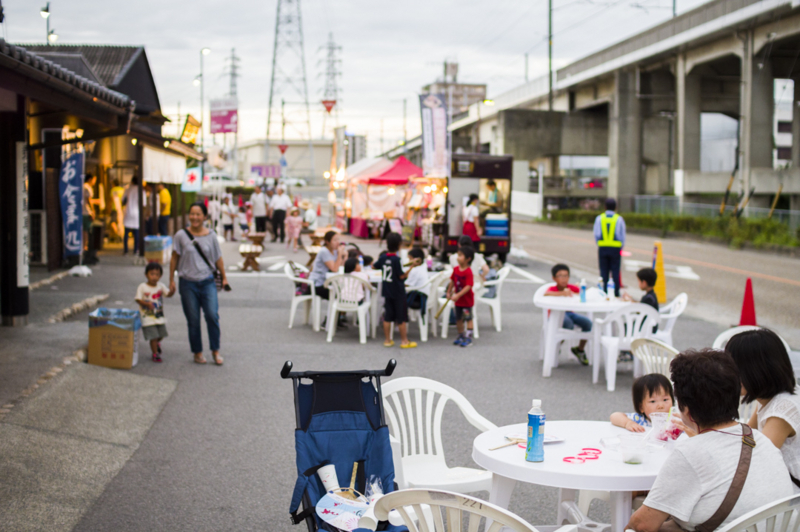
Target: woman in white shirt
[697,476]
[471,216]
[768,379]
[130,202]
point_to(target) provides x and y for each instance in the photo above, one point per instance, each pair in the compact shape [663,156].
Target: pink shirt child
[293,226]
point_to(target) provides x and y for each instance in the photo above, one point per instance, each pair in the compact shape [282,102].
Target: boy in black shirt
[647,280]
[395,308]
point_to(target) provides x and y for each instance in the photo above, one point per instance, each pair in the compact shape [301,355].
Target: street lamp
[204,51]
[45,13]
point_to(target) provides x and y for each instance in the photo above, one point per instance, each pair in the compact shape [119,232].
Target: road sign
[283,148]
[329,105]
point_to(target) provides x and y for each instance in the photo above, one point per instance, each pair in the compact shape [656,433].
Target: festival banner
[70,190]
[435,148]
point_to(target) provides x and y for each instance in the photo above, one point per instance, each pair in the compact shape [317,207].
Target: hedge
[760,232]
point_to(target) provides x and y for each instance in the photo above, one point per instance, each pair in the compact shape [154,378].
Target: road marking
[277,266]
[523,281]
[680,272]
[529,276]
[649,253]
[255,274]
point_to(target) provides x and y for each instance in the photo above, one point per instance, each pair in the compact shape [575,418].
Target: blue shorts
[571,320]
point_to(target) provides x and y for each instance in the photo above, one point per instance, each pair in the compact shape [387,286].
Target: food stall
[425,207]
[371,198]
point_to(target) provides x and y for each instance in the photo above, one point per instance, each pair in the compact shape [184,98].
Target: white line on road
[525,274]
[681,272]
[255,274]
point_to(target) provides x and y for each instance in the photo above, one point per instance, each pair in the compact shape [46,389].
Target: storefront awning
[161,166]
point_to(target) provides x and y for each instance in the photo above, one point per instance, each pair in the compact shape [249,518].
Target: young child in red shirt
[459,291]
[564,289]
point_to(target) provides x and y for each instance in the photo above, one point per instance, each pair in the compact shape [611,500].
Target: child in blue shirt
[651,393]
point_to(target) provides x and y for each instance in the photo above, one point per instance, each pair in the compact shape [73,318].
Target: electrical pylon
[288,82]
[331,91]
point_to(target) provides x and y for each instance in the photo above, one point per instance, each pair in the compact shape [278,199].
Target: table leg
[564,495]
[502,488]
[620,510]
[553,323]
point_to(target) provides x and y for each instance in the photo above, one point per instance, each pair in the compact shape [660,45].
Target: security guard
[609,233]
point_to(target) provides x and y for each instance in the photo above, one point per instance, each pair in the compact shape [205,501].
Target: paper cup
[327,474]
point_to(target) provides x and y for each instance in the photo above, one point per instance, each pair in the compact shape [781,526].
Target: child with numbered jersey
[150,296]
[459,291]
[394,292]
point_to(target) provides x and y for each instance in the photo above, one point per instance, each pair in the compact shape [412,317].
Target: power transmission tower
[332,72]
[233,72]
[288,81]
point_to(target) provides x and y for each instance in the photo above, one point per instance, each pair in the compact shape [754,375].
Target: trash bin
[113,337]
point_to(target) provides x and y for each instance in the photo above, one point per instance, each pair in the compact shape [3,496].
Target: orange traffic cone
[748,305]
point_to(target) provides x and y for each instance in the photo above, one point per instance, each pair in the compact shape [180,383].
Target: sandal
[218,360]
[200,359]
[388,343]
[156,358]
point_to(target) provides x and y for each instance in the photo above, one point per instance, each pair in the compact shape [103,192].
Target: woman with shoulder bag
[197,257]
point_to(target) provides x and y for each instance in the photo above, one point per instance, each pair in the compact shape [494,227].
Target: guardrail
[673,205]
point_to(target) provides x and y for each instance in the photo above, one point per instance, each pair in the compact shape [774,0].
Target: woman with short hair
[699,473]
[330,258]
[768,379]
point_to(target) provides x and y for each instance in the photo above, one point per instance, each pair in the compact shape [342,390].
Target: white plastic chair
[343,289]
[780,515]
[571,336]
[432,285]
[308,299]
[614,334]
[654,355]
[414,407]
[669,314]
[722,340]
[494,302]
[446,511]
[445,317]
[440,279]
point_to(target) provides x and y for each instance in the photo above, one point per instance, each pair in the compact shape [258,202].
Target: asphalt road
[712,275]
[220,455]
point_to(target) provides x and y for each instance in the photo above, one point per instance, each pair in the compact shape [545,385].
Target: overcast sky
[389,49]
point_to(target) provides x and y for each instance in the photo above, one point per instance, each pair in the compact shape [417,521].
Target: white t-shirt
[471,213]
[229,213]
[697,475]
[155,295]
[280,202]
[131,198]
[242,216]
[786,407]
[416,278]
[310,217]
[259,202]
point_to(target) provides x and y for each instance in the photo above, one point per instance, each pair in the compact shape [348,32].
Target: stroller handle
[287,373]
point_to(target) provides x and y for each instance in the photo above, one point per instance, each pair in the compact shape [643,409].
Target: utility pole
[405,131]
[526,67]
[178,136]
[549,54]
[674,8]
[332,72]
[233,73]
[232,93]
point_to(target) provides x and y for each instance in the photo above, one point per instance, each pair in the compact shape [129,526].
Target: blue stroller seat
[340,421]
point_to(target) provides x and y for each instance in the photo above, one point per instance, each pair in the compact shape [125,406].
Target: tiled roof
[110,62]
[74,62]
[22,55]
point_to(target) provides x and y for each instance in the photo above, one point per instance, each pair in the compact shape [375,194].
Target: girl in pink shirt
[294,223]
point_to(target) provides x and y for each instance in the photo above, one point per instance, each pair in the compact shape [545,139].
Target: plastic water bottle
[361,261]
[583,290]
[600,284]
[611,290]
[535,450]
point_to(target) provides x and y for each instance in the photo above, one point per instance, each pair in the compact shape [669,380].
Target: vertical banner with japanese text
[70,190]
[23,232]
[435,148]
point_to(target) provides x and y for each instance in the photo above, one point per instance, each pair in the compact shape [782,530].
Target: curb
[77,356]
[78,307]
[49,280]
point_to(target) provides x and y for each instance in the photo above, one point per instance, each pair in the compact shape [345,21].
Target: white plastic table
[607,473]
[557,307]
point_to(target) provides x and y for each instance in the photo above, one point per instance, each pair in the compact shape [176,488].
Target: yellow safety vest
[608,227]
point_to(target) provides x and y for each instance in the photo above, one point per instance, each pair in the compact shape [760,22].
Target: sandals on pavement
[409,345]
[218,360]
[388,343]
[200,359]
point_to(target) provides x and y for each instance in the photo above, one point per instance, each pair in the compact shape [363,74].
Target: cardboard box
[158,249]
[114,338]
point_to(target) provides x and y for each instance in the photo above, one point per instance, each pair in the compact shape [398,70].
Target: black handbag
[217,273]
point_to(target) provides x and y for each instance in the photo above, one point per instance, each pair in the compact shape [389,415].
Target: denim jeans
[194,296]
[571,320]
[163,225]
[135,233]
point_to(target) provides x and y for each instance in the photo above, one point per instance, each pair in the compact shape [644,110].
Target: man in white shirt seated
[691,485]
[279,204]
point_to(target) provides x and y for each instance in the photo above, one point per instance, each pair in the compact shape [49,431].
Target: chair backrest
[780,515]
[633,321]
[671,311]
[654,354]
[291,267]
[437,281]
[417,425]
[501,276]
[540,293]
[722,340]
[450,512]
[344,288]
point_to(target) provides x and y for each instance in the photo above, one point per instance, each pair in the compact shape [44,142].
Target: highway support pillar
[624,141]
[688,117]
[756,114]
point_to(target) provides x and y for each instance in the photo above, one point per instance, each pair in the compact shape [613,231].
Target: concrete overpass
[640,101]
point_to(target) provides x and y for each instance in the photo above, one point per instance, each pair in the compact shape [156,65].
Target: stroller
[340,421]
